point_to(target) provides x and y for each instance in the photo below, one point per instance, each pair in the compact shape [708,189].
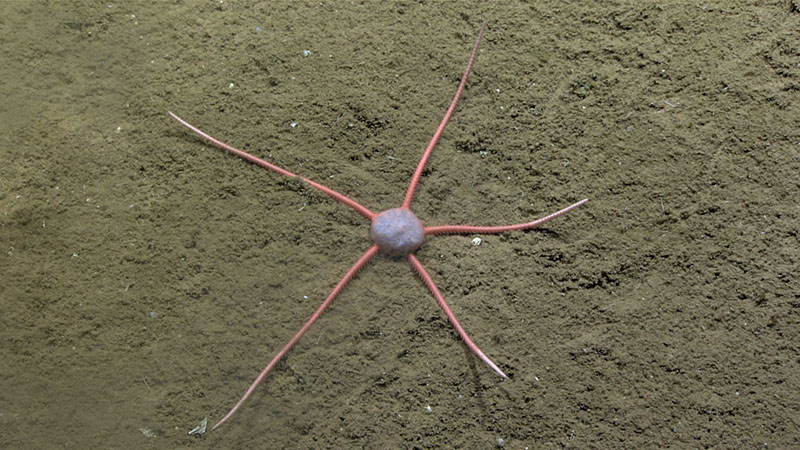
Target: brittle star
[396,232]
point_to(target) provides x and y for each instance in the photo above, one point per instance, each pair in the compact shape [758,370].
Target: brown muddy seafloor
[146,278]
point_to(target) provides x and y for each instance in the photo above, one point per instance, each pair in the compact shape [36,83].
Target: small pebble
[501,442]
[477,241]
[200,429]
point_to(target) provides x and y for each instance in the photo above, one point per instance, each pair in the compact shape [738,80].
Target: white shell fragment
[477,241]
[200,429]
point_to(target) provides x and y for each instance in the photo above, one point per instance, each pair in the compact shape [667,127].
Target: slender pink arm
[340,197]
[426,278]
[428,150]
[456,229]
[347,277]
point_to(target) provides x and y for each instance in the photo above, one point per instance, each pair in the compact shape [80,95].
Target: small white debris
[428,409]
[501,442]
[477,241]
[293,124]
[119,129]
[230,85]
[200,429]
[306,52]
[147,432]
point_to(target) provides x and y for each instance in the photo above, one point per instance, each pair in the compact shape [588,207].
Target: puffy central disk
[397,232]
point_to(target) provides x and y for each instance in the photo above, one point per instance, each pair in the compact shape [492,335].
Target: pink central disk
[397,232]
